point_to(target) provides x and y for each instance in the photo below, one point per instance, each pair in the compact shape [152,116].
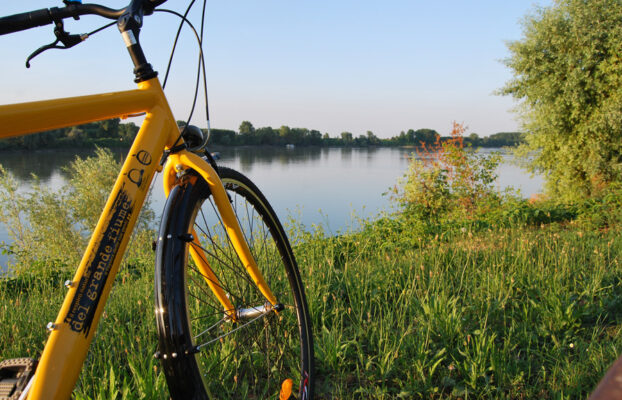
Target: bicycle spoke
[231,331]
[240,273]
[235,262]
[220,262]
[246,344]
[201,300]
[217,324]
[216,283]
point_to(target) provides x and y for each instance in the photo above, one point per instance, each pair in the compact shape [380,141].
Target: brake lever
[63,37]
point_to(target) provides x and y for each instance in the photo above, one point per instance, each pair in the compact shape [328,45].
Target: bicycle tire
[253,361]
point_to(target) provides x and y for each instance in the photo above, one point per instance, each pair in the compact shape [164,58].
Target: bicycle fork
[177,163]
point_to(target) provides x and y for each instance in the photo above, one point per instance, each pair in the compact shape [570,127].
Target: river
[331,187]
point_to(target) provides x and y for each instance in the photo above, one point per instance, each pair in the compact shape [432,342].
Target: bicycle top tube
[46,16]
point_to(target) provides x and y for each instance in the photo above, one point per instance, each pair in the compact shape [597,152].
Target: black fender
[170,303]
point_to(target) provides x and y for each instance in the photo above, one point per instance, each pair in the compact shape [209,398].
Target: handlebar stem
[129,25]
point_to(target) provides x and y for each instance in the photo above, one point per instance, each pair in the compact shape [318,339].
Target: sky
[331,65]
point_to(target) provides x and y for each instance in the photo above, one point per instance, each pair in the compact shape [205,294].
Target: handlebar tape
[20,22]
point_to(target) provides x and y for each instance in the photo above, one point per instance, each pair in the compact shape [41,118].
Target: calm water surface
[327,186]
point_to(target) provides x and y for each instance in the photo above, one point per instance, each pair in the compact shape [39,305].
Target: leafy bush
[602,211]
[523,212]
[448,181]
[53,227]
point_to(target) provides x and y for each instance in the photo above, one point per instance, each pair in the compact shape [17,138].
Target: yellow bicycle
[231,311]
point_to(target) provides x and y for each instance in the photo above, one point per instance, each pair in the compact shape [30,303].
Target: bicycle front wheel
[205,352]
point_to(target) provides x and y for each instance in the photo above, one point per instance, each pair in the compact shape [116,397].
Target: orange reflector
[286,389]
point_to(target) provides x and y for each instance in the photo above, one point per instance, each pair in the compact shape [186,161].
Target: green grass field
[523,312]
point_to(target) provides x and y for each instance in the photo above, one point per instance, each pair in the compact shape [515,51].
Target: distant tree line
[112,133]
[108,133]
[500,139]
[249,135]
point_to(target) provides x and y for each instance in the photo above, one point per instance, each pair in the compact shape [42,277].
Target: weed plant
[506,299]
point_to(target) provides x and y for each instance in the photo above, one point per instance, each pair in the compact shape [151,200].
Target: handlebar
[46,16]
[155,3]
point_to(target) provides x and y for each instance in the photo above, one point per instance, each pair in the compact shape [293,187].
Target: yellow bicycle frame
[76,323]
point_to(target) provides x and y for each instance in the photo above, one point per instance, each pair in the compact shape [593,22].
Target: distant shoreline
[108,144]
[112,133]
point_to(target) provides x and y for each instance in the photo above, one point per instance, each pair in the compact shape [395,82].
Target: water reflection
[346,154]
[47,165]
[249,157]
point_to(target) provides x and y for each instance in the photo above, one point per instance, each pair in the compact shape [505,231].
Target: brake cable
[200,71]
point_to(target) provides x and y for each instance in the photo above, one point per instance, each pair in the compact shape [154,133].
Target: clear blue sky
[336,65]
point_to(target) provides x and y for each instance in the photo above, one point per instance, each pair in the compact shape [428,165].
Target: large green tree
[568,80]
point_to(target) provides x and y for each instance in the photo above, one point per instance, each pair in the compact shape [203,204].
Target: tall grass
[504,313]
[507,313]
